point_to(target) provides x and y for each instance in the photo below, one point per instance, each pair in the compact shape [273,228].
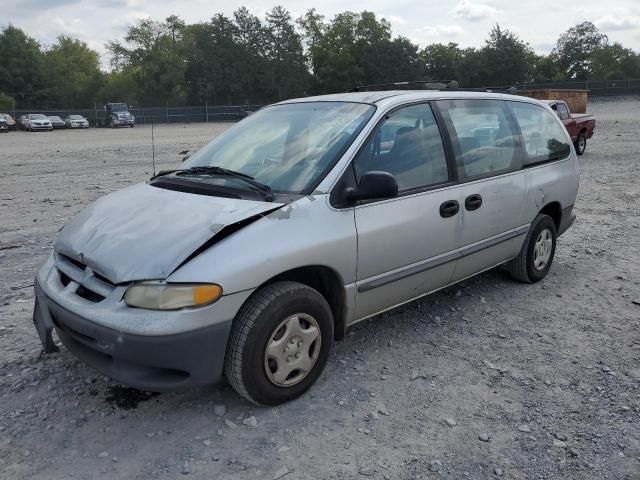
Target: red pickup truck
[579,125]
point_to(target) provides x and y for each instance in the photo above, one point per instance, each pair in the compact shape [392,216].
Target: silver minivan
[262,248]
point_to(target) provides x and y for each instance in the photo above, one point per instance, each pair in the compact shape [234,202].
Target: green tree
[442,62]
[288,74]
[356,49]
[313,29]
[546,68]
[394,60]
[6,102]
[73,73]
[251,64]
[120,86]
[22,73]
[212,54]
[335,60]
[154,56]
[473,68]
[507,59]
[614,62]
[574,49]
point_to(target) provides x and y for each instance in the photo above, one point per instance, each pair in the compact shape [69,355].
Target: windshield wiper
[214,170]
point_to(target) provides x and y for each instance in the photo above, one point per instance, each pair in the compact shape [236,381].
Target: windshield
[38,116]
[118,107]
[288,147]
[75,117]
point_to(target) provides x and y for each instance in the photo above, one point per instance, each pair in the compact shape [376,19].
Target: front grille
[88,294]
[73,261]
[91,285]
[64,278]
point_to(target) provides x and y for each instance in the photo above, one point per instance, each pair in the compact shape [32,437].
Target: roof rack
[424,84]
[431,85]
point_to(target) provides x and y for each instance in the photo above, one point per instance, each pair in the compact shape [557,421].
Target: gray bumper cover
[153,363]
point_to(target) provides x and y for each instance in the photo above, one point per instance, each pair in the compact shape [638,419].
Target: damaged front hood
[145,232]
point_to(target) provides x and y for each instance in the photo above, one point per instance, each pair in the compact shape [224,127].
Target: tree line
[244,59]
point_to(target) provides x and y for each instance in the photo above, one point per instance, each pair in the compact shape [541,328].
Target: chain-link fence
[231,113]
[596,88]
[147,115]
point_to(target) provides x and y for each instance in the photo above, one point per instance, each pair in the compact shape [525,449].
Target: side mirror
[374,185]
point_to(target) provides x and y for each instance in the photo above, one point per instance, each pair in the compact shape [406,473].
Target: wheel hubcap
[542,249]
[292,350]
[581,143]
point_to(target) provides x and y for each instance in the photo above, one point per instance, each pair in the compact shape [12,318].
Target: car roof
[406,96]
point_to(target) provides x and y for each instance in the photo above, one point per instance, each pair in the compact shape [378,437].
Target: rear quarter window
[545,139]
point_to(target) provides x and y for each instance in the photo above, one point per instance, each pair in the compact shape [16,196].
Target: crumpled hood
[145,232]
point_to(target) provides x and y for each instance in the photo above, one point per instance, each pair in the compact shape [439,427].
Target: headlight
[171,296]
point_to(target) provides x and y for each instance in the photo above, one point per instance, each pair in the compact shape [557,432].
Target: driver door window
[409,146]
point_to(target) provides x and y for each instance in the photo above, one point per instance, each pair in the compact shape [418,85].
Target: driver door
[405,243]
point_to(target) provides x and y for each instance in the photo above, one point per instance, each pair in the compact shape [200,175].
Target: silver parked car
[306,217]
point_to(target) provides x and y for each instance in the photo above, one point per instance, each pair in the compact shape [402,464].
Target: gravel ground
[488,378]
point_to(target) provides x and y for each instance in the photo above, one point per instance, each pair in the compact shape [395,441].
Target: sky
[466,22]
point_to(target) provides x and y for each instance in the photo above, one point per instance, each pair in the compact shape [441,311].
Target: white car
[37,121]
[76,121]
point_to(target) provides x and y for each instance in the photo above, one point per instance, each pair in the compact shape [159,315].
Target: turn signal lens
[205,294]
[171,296]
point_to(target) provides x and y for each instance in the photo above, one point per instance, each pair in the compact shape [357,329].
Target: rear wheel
[535,259]
[581,143]
[279,344]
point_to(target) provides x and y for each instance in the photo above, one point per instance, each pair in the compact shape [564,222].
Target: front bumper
[144,349]
[153,363]
[41,127]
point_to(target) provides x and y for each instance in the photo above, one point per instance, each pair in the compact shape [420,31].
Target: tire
[264,321]
[132,125]
[581,143]
[527,266]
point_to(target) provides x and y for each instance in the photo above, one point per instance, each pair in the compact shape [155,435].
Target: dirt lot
[548,375]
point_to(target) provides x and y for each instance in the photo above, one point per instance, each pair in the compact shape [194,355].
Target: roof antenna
[153,149]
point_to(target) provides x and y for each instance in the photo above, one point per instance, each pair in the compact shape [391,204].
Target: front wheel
[581,143]
[279,344]
[534,260]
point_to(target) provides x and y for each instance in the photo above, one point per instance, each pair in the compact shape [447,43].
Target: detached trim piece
[434,262]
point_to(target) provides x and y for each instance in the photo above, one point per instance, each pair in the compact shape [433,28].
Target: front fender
[306,232]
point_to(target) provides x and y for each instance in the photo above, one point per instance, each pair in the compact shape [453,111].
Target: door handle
[473,202]
[449,208]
